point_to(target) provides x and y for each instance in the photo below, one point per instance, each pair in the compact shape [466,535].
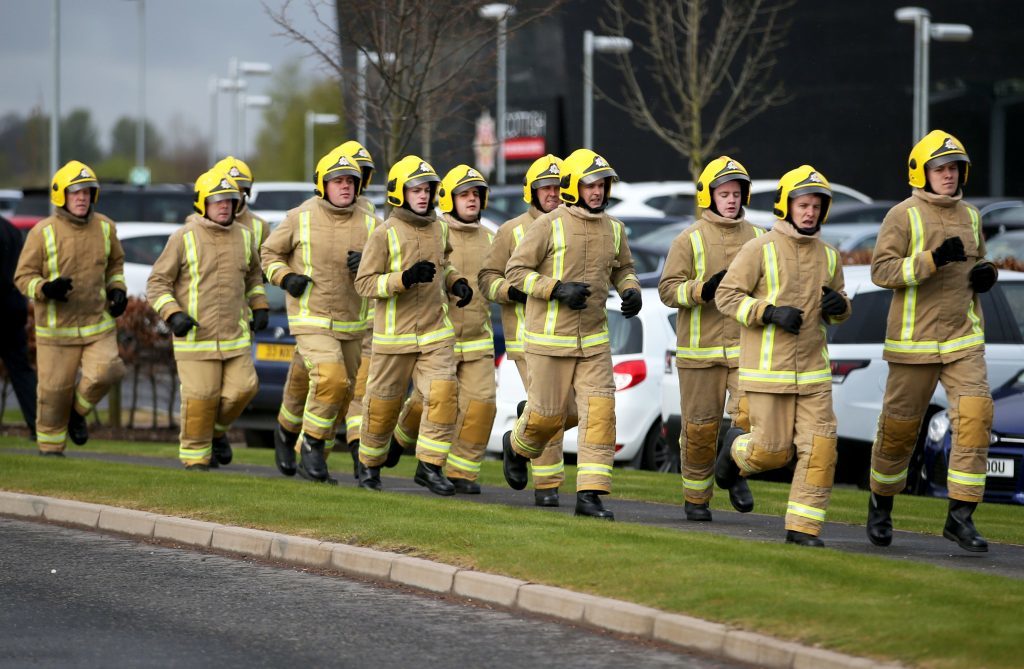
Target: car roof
[257,186]
[858,278]
[140,229]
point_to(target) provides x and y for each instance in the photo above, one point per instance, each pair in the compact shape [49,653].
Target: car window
[280,200]
[1014,294]
[680,205]
[762,201]
[646,262]
[843,198]
[866,244]
[866,324]
[1006,215]
[143,250]
[275,297]
[165,207]
[658,202]
[33,204]
[627,335]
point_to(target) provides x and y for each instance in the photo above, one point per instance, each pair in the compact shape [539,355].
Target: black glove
[353,261]
[707,291]
[516,295]
[295,284]
[260,319]
[57,289]
[982,277]
[573,293]
[788,318]
[950,250]
[118,301]
[181,323]
[832,303]
[422,272]
[631,302]
[461,290]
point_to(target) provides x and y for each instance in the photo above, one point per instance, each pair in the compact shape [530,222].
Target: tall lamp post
[363,59]
[245,103]
[314,119]
[600,44]
[500,12]
[236,69]
[924,32]
[140,126]
[55,113]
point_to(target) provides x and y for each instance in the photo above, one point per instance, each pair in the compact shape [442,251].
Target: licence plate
[1000,468]
[275,352]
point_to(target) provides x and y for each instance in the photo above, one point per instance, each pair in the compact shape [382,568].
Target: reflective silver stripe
[51,263]
[557,270]
[813,513]
[192,257]
[888,479]
[307,261]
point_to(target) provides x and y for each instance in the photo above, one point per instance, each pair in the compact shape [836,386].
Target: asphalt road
[73,598]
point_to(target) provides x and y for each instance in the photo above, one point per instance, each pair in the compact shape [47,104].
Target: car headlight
[938,427]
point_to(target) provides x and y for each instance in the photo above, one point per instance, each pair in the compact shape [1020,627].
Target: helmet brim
[422,179]
[218,197]
[81,185]
[810,190]
[726,178]
[355,173]
[466,186]
[607,173]
[548,181]
[948,158]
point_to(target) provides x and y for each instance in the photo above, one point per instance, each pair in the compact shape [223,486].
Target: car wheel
[259,438]
[654,452]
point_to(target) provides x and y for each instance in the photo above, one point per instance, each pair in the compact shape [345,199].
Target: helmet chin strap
[806,233]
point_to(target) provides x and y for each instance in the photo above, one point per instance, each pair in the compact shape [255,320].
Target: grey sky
[186,42]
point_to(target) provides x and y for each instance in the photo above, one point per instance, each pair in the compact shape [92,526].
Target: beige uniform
[934,333]
[328,320]
[548,468]
[707,344]
[212,273]
[787,378]
[76,333]
[413,336]
[569,350]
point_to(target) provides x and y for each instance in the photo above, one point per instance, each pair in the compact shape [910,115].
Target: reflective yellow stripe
[617,234]
[786,376]
[530,282]
[705,352]
[207,345]
[217,427]
[463,464]
[831,257]
[105,325]
[32,286]
[595,339]
[558,271]
[326,323]
[412,338]
[395,253]
[771,273]
[115,278]
[292,418]
[51,262]
[486,344]
[192,256]
[683,294]
[273,268]
[805,511]
[758,232]
[520,311]
[319,421]
[247,241]
[697,484]
[547,470]
[593,469]
[699,267]
[194,453]
[743,313]
[492,290]
[435,336]
[935,347]
[964,478]
[372,452]
[256,290]
[353,423]
[307,261]
[82,402]
[435,445]
[52,437]
[522,445]
[517,235]
[888,479]
[162,301]
[975,226]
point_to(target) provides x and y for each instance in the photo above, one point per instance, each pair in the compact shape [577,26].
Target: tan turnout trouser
[702,399]
[331,364]
[354,417]
[908,391]
[57,367]
[779,422]
[389,376]
[293,399]
[552,381]
[213,394]
[548,468]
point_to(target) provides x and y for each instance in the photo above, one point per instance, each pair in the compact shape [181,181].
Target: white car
[142,243]
[8,201]
[271,200]
[638,346]
[851,237]
[675,198]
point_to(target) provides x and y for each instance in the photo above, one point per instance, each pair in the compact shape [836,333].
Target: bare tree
[441,50]
[711,75]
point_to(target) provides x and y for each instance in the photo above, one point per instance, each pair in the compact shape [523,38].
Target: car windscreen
[144,250]
[627,334]
[145,205]
[280,200]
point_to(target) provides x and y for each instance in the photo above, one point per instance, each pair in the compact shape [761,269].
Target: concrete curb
[600,612]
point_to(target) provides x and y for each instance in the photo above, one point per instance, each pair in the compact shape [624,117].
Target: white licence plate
[1000,468]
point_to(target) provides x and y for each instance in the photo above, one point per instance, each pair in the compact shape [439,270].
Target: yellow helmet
[334,165]
[363,158]
[936,148]
[719,171]
[545,171]
[406,173]
[804,180]
[214,186]
[583,166]
[458,179]
[238,170]
[73,176]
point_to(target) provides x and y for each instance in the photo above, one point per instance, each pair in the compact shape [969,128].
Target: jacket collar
[407,216]
[945,201]
[336,212]
[718,219]
[71,218]
[580,212]
[197,219]
[787,229]
[456,224]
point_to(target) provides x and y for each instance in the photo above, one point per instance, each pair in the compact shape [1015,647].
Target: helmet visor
[948,158]
[810,190]
[726,178]
[81,185]
[547,181]
[422,179]
[353,172]
[607,173]
[225,195]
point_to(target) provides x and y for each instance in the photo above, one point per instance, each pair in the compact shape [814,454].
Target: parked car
[8,201]
[1001,216]
[1005,480]
[271,200]
[860,212]
[33,207]
[142,243]
[638,345]
[1009,244]
[158,203]
[850,237]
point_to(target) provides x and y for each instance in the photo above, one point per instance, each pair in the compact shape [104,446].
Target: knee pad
[700,442]
[897,436]
[821,464]
[198,417]
[600,430]
[331,382]
[54,406]
[408,426]
[382,414]
[763,457]
[742,417]
[974,422]
[112,373]
[297,383]
[538,429]
[476,425]
[442,401]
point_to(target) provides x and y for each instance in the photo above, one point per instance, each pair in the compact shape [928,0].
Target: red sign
[524,148]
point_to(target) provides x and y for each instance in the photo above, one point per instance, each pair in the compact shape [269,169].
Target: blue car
[1005,480]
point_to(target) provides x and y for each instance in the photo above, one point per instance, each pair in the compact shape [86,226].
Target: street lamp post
[217,86]
[500,12]
[140,126]
[600,44]
[245,103]
[924,32]
[315,119]
[363,59]
[55,113]
[236,69]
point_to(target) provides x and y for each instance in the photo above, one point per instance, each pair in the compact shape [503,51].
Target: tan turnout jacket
[474,338]
[86,251]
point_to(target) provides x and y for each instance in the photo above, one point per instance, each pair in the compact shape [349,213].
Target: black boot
[545,497]
[588,503]
[433,479]
[78,428]
[513,465]
[353,450]
[284,450]
[803,539]
[312,465]
[960,527]
[727,475]
[395,451]
[369,477]
[697,512]
[465,486]
[520,408]
[880,519]
[222,450]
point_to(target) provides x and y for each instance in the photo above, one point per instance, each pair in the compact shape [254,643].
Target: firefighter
[565,264]
[243,176]
[463,197]
[707,348]
[405,267]
[930,251]
[305,255]
[205,284]
[540,191]
[784,287]
[72,268]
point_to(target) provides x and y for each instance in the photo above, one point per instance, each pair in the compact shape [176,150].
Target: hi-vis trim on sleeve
[699,269]
[617,234]
[105,226]
[162,301]
[192,257]
[395,256]
[247,242]
[115,278]
[274,267]
[916,247]
[517,235]
[307,261]
[743,313]
[529,282]
[975,225]
[256,290]
[558,271]
[771,273]
[492,290]
[50,240]
[832,258]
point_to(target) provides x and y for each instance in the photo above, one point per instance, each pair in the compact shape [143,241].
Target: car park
[637,345]
[1005,469]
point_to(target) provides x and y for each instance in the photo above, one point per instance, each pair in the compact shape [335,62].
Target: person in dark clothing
[13,340]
